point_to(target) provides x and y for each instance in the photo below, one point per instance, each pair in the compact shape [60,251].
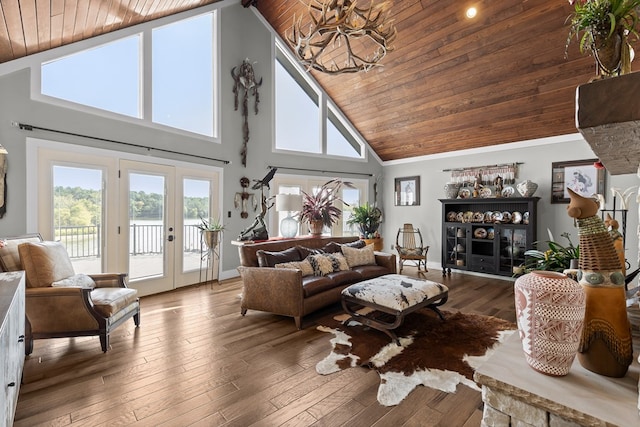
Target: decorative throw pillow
[269,259]
[321,263]
[339,262]
[356,257]
[305,252]
[44,263]
[358,244]
[324,264]
[304,266]
[76,281]
[331,248]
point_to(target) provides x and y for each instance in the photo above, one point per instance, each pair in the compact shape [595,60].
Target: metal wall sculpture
[245,80]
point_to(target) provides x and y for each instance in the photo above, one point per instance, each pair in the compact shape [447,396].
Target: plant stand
[209,257]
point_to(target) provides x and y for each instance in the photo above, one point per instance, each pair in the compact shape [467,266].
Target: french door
[127,215]
[148,225]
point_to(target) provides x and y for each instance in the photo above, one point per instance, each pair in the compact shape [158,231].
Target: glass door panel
[146,225]
[78,215]
[196,203]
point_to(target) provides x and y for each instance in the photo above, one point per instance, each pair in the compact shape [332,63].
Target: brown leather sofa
[286,291]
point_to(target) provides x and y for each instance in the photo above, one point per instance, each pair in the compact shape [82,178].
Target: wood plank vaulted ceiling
[450,84]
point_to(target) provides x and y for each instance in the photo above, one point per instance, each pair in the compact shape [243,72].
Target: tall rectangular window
[183,75]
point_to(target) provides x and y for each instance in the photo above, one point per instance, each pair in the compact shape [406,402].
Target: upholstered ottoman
[391,297]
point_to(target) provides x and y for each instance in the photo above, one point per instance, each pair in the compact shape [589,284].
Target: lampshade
[288,202]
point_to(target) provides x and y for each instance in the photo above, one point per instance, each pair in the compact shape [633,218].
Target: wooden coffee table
[391,298]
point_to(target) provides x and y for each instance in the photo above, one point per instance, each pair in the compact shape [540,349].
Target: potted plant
[605,26]
[556,258]
[210,229]
[318,208]
[368,218]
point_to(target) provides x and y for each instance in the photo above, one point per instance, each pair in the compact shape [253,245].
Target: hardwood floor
[196,361]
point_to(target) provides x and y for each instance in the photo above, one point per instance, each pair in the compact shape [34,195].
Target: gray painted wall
[536,167]
[243,36]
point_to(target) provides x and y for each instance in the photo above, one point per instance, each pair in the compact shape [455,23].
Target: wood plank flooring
[195,361]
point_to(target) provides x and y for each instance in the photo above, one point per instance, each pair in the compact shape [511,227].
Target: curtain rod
[321,171]
[485,166]
[24,126]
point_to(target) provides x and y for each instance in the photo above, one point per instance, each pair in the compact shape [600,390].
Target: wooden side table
[378,244]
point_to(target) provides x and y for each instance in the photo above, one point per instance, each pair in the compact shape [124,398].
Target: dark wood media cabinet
[477,236]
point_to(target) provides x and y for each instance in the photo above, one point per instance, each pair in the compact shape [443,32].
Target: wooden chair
[410,248]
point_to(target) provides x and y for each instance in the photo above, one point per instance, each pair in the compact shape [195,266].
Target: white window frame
[306,183]
[324,103]
[145,31]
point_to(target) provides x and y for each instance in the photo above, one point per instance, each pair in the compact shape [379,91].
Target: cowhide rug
[433,353]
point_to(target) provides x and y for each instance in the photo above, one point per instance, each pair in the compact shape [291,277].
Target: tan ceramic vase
[550,313]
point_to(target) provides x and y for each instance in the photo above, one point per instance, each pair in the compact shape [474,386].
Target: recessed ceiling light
[471,12]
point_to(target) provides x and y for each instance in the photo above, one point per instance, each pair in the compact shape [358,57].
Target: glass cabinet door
[456,245]
[513,244]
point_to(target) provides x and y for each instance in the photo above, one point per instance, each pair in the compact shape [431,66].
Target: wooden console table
[512,390]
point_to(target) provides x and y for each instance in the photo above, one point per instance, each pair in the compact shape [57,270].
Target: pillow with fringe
[304,266]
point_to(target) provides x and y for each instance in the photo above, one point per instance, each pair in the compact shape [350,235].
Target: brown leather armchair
[60,303]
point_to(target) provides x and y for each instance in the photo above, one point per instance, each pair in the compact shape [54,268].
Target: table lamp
[288,203]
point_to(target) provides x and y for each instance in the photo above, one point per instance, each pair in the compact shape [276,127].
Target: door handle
[170,237]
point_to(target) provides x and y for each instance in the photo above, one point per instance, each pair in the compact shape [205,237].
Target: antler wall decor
[245,79]
[342,37]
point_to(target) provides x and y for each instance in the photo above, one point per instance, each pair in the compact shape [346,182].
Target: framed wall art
[407,191]
[579,175]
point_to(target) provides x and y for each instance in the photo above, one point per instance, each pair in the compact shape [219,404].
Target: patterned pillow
[324,264]
[304,266]
[341,261]
[356,257]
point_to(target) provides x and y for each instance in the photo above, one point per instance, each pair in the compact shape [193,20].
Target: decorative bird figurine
[264,182]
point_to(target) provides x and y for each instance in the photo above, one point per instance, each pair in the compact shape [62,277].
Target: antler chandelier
[343,37]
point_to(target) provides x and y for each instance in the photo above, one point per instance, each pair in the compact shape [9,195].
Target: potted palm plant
[368,218]
[210,229]
[318,208]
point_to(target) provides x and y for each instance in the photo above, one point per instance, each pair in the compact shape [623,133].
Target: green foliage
[319,206]
[82,207]
[601,18]
[556,258]
[210,224]
[367,217]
